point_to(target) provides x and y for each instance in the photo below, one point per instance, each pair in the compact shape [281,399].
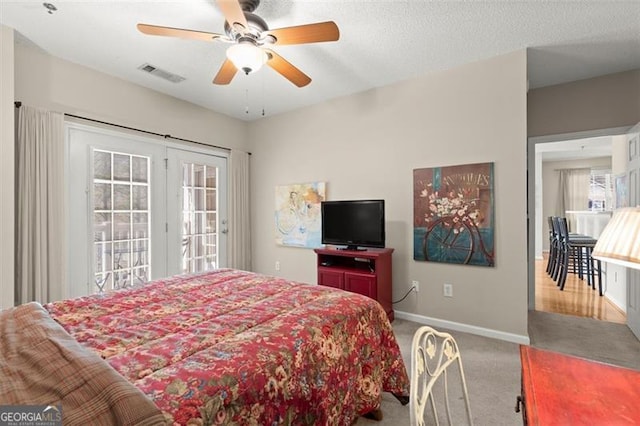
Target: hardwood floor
[576,299]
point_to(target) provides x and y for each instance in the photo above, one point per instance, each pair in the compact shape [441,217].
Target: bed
[234,347]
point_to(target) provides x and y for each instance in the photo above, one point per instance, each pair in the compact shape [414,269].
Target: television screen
[353,223]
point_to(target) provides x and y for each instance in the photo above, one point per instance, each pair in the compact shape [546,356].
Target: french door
[140,210]
[197,184]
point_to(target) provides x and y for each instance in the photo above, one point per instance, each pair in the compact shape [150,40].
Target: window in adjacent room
[601,190]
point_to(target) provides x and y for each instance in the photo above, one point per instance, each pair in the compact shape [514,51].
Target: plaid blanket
[41,364]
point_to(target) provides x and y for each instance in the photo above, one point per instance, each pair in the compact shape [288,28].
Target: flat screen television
[353,223]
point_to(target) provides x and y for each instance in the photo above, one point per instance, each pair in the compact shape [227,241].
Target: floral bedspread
[233,347]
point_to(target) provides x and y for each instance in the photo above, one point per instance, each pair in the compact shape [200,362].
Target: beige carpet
[492,367]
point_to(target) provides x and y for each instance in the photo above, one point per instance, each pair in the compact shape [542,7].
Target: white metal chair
[432,352]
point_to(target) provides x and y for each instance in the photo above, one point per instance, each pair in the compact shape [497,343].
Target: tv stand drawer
[364,284]
[331,277]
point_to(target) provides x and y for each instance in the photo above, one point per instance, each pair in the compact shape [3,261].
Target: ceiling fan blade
[233,13]
[310,33]
[226,73]
[287,70]
[177,32]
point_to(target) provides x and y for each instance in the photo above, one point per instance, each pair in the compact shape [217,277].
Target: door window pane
[198,199]
[140,225]
[211,199]
[211,223]
[122,167]
[122,226]
[102,226]
[121,197]
[211,177]
[140,169]
[102,165]
[102,196]
[140,197]
[198,175]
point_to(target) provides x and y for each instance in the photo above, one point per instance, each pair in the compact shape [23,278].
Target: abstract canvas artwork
[621,191]
[453,214]
[297,215]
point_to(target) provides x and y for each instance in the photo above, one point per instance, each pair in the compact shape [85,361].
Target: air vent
[174,78]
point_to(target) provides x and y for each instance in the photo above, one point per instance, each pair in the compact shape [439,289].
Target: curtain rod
[18,104]
[584,168]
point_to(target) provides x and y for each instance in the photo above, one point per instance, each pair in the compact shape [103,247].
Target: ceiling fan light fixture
[247,56]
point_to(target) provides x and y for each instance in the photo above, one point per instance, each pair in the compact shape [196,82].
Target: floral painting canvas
[297,216]
[453,214]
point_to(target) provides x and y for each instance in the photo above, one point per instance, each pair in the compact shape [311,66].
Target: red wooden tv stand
[564,390]
[365,272]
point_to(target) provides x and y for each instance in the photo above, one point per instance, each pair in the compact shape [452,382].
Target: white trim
[531,193]
[612,131]
[619,304]
[166,143]
[465,328]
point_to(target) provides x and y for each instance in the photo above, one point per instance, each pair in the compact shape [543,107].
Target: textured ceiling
[576,149]
[381,42]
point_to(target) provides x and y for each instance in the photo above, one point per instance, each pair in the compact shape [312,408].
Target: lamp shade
[620,240]
[246,57]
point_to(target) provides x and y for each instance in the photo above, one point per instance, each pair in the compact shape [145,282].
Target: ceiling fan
[251,39]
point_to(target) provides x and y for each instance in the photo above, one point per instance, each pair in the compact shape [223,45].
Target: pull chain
[246,110]
[263,94]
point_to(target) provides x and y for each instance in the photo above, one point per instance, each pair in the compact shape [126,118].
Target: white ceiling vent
[151,69]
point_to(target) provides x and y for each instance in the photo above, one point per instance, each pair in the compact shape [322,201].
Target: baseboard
[465,328]
[543,257]
[616,302]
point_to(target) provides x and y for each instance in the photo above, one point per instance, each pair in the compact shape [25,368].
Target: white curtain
[239,213]
[40,234]
[573,193]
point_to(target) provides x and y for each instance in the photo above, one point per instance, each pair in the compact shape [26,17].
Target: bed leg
[404,400]
[374,415]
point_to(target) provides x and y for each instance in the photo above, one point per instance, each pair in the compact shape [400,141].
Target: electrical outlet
[448,290]
[277,265]
[416,286]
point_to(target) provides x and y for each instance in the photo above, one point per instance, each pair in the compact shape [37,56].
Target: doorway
[547,158]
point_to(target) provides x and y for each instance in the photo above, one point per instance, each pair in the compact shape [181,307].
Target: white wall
[7,152]
[367,145]
[52,83]
[605,102]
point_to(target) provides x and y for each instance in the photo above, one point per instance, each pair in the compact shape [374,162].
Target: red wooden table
[564,390]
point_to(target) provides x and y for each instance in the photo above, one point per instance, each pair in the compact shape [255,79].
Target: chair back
[433,353]
[556,230]
[564,230]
